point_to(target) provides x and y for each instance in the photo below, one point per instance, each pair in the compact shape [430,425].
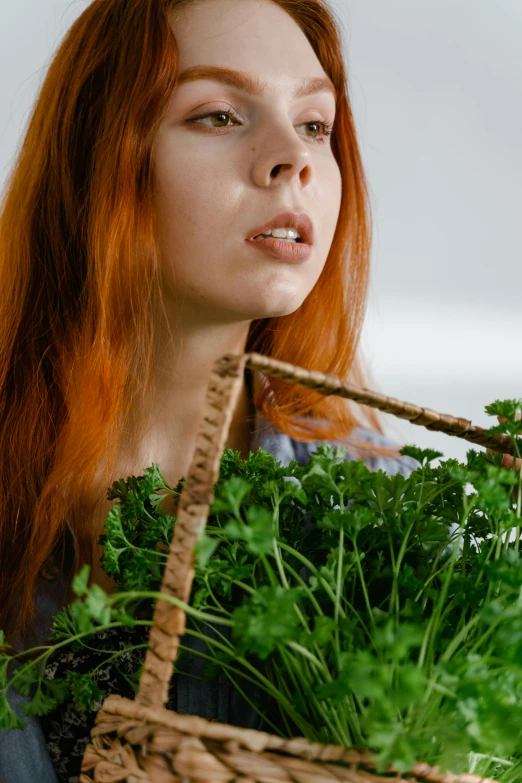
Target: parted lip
[300,221]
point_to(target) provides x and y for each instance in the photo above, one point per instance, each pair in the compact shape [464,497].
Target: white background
[436,89]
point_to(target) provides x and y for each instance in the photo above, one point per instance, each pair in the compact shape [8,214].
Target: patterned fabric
[67,729]
[50,750]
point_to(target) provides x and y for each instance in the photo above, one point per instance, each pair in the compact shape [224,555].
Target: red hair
[79,275]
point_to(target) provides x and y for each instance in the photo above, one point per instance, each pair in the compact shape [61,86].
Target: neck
[183,363]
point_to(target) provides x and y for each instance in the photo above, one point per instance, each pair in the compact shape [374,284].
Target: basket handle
[197,496]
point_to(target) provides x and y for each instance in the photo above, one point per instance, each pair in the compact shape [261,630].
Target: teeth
[281,233]
[285,233]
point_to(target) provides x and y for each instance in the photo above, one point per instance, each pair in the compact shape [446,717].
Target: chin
[271,312]
[277,305]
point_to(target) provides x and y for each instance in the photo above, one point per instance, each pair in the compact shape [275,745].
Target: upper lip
[300,221]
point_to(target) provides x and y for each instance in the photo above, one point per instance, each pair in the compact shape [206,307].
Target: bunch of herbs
[373,610]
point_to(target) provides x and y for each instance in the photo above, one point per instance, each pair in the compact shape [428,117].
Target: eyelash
[327,127]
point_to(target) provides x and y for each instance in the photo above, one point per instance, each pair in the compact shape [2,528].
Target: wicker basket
[142,741]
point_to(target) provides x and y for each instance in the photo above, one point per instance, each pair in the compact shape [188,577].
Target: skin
[215,182]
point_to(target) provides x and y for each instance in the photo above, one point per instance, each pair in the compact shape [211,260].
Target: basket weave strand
[193,508]
[226,753]
[328,383]
[142,741]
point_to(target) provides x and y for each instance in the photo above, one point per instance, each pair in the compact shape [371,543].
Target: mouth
[264,237]
[299,222]
[281,250]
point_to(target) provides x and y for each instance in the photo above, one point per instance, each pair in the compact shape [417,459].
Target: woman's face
[218,179]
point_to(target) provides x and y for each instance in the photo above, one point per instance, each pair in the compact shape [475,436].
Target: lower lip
[295,252]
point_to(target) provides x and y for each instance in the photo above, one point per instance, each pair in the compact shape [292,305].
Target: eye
[326,126]
[224,116]
[213,114]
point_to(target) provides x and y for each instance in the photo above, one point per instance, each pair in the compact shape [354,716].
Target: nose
[284,156]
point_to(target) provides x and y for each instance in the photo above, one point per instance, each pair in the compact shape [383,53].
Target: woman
[168,134]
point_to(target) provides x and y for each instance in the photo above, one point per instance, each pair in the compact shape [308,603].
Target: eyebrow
[253,84]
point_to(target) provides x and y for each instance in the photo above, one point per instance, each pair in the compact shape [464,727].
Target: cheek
[184,206]
[189,194]
[176,188]
[336,187]
[331,199]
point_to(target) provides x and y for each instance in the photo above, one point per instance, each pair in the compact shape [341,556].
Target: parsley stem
[211,592]
[222,636]
[237,582]
[268,568]
[170,599]
[519,509]
[394,597]
[117,654]
[480,574]
[306,654]
[318,650]
[393,593]
[428,582]
[299,579]
[455,642]
[328,590]
[51,649]
[479,642]
[435,619]
[326,712]
[286,673]
[280,682]
[314,571]
[339,585]
[250,702]
[302,617]
[268,686]
[363,582]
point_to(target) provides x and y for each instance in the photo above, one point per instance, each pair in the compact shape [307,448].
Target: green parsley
[372,610]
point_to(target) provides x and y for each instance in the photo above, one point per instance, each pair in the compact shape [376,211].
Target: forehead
[254,36]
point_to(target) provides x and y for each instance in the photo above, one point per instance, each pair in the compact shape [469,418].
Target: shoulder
[285,448]
[390,465]
[24,754]
[52,590]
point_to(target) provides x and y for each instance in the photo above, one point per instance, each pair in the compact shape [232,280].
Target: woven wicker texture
[328,383]
[134,743]
[140,740]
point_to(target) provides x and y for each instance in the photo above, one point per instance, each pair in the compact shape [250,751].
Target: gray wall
[437,93]
[436,88]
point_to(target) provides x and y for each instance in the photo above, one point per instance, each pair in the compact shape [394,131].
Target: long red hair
[79,275]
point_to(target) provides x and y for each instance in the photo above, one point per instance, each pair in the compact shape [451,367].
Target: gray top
[23,753]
